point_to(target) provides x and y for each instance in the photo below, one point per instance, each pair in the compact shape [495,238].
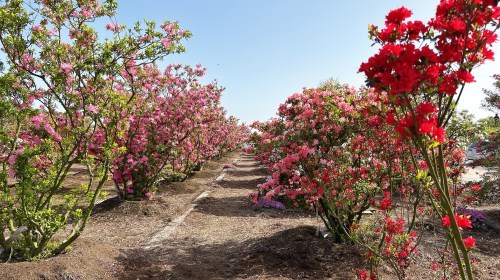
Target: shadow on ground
[250,185]
[241,206]
[249,172]
[295,253]
[107,205]
[488,239]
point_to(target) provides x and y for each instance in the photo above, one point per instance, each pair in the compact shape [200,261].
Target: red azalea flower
[439,134]
[385,34]
[457,25]
[446,221]
[465,76]
[403,254]
[388,239]
[401,130]
[469,242]
[395,227]
[425,128]
[390,119]
[448,85]
[397,16]
[422,164]
[463,221]
[362,274]
[415,28]
[432,73]
[385,203]
[425,108]
[475,188]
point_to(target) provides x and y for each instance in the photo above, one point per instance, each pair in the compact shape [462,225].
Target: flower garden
[98,143]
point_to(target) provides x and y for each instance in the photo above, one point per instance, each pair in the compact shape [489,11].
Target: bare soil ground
[223,238]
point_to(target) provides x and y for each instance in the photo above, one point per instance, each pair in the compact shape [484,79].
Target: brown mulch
[222,238]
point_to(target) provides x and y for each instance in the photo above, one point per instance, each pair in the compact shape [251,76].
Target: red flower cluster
[397,244]
[423,122]
[418,62]
[397,16]
[454,19]
[462,221]
[469,242]
[406,64]
[385,203]
[363,275]
[394,227]
[396,27]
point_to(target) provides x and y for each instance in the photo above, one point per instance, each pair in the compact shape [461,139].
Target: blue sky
[263,51]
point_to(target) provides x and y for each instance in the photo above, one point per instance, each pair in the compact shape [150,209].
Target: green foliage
[492,100]
[464,130]
[490,129]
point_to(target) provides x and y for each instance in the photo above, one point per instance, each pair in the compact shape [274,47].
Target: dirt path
[225,238]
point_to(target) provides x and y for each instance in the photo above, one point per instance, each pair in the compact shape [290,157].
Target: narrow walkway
[224,238]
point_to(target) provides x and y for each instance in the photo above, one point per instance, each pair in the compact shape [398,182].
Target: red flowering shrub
[389,240]
[424,68]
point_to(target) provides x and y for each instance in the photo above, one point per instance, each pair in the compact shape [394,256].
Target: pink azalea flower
[27,59]
[86,14]
[36,121]
[37,28]
[52,132]
[165,42]
[113,27]
[143,159]
[66,68]
[93,109]
[12,160]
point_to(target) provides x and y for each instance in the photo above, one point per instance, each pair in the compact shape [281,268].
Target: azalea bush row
[330,150]
[68,96]
[330,147]
[176,126]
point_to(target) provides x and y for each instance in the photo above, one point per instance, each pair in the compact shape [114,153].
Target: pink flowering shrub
[328,149]
[65,98]
[160,141]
